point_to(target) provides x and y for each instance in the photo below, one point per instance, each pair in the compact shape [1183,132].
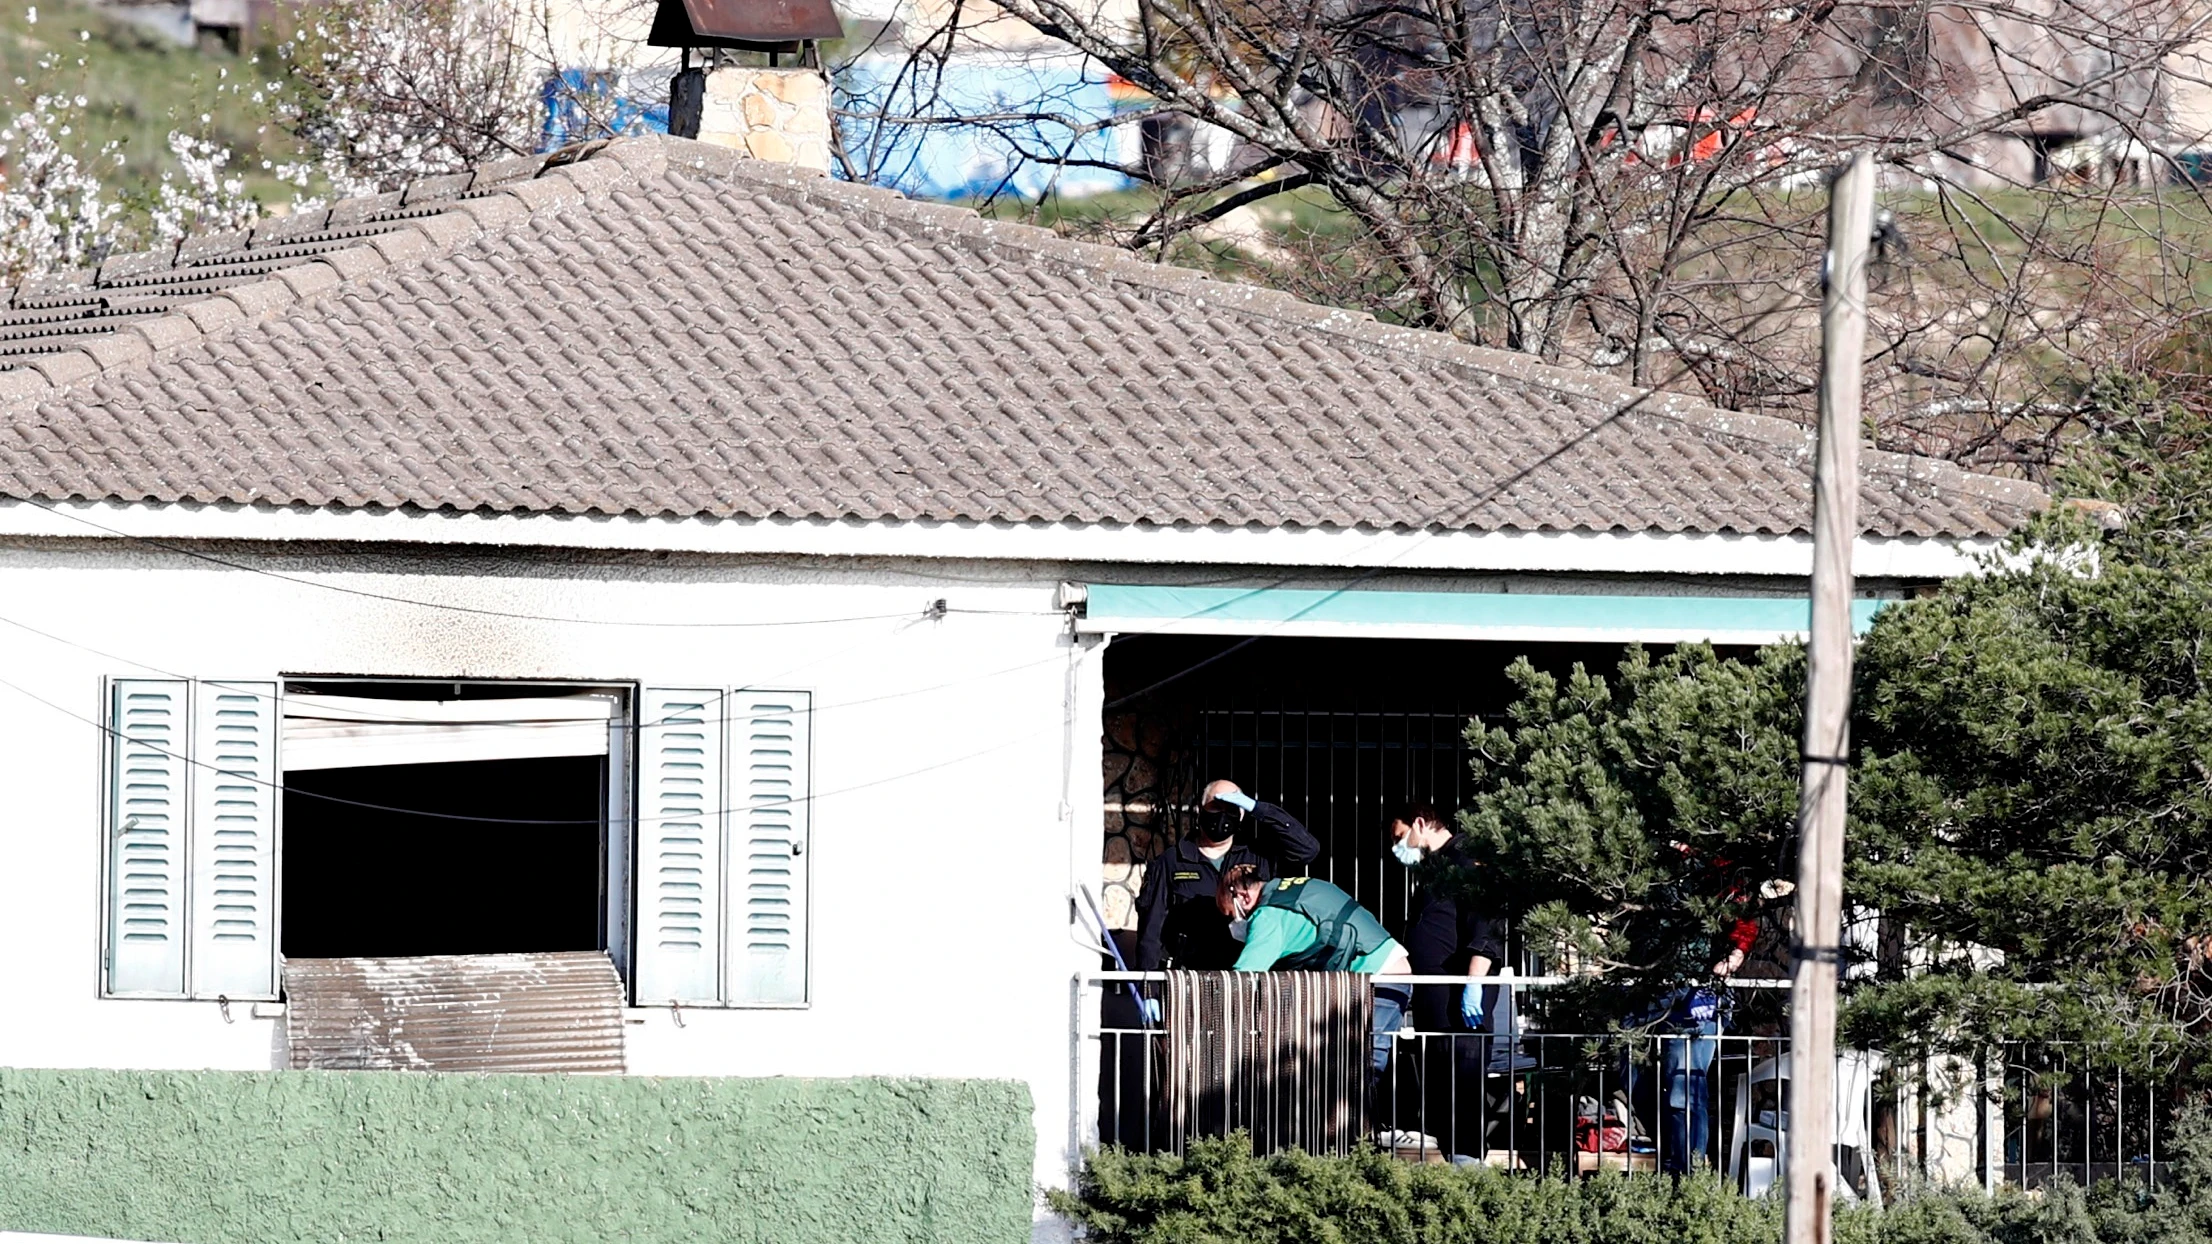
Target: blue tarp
[620,108]
[1043,108]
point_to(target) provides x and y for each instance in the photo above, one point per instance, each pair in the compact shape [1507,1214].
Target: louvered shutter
[147,722]
[680,850]
[770,807]
[233,832]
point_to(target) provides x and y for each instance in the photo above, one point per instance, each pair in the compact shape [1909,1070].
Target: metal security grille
[1281,1055]
[1342,772]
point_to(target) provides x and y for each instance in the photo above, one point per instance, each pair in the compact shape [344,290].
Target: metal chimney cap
[747,25]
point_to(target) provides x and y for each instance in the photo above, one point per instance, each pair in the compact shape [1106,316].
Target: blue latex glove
[1152,1010]
[1470,1005]
[1238,799]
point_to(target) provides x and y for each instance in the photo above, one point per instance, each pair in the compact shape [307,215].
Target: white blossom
[202,199]
[55,213]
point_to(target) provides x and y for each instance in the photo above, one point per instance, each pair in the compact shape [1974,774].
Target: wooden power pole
[1820,801]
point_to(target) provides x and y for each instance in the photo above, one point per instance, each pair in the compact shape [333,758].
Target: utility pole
[1820,800]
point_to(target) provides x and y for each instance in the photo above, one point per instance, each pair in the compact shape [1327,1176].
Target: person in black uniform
[1449,936]
[1178,923]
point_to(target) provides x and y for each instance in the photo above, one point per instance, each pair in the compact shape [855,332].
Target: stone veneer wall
[1147,785]
[224,1157]
[769,114]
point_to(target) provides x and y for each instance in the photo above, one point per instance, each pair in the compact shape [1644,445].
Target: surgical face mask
[1408,854]
[1239,922]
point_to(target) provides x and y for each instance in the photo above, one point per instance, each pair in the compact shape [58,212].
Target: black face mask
[1219,823]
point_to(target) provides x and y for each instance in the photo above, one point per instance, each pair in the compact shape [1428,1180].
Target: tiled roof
[656,327]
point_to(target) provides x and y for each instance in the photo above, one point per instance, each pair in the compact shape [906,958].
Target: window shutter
[770,809]
[680,851]
[146,813]
[233,831]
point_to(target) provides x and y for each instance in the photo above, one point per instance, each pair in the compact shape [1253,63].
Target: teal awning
[1561,617]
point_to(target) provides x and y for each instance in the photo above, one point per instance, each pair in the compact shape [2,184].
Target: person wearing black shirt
[1178,923]
[1450,936]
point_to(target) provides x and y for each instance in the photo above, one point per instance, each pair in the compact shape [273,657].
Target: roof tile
[661,329]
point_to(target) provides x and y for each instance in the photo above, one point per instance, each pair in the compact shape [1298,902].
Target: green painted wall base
[217,1157]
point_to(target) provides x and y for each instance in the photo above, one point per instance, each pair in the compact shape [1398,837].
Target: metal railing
[2066,1118]
[1576,1103]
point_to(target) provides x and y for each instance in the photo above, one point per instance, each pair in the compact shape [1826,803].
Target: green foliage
[2153,456]
[2038,783]
[2031,789]
[1219,1193]
[2036,793]
[1636,819]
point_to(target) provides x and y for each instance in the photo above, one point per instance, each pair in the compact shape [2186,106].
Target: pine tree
[2032,787]
[1631,821]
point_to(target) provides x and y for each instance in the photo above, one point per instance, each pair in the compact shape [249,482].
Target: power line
[395,717]
[1487,496]
[401,720]
[1373,572]
[724,718]
[1367,575]
[283,788]
[110,732]
[473,610]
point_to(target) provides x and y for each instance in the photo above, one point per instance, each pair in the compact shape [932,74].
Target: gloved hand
[1470,1005]
[1152,1010]
[1237,798]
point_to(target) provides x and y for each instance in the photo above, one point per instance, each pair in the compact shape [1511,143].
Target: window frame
[621,903]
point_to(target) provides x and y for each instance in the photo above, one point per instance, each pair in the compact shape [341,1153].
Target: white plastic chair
[1757,1158]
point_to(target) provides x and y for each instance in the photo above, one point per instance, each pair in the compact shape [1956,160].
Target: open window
[444,818]
[336,818]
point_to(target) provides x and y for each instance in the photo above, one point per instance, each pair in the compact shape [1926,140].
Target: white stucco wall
[956,760]
[956,783]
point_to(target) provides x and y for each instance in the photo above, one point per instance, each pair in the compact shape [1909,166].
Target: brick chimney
[769,114]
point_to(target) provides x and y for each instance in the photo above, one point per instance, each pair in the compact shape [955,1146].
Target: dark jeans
[1685,1092]
[1464,1089]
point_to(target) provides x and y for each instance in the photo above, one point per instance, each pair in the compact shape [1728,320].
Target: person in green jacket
[1306,924]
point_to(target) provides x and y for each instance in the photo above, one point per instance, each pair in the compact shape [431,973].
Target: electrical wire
[110,732]
[279,787]
[476,611]
[395,718]
[1367,575]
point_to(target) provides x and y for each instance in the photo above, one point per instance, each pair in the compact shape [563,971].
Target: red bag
[1590,1138]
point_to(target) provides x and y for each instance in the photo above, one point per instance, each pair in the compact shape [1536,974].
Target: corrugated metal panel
[557,1012]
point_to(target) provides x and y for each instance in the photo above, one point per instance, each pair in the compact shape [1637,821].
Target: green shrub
[1219,1193]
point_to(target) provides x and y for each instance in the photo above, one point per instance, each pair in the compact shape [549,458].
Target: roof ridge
[1267,302]
[920,432]
[477,202]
